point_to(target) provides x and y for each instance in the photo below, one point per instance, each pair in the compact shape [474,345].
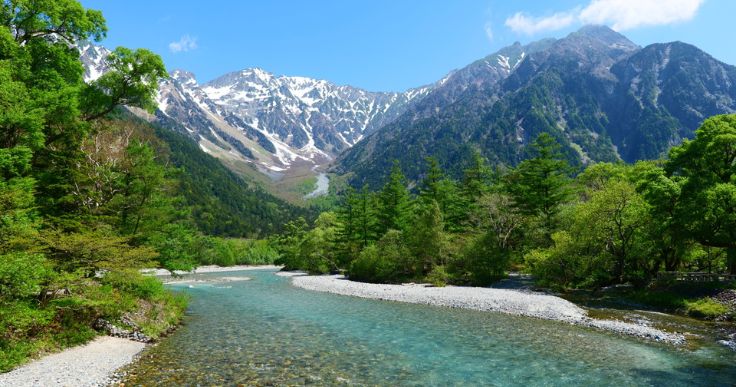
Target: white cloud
[186,43]
[529,25]
[489,31]
[629,14]
[618,14]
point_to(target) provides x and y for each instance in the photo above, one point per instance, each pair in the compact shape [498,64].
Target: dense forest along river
[267,332]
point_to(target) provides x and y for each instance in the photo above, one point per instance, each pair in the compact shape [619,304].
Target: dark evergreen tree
[539,185]
[394,202]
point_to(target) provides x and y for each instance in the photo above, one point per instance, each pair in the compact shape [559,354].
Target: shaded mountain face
[601,96]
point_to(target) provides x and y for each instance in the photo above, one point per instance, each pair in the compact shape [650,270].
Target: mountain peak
[184,77]
[605,35]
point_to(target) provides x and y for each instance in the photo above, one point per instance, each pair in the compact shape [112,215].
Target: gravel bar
[515,302]
[92,364]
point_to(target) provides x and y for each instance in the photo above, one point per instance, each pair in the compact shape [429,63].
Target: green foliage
[394,202]
[706,307]
[373,265]
[540,185]
[132,79]
[82,207]
[387,261]
[22,276]
[94,250]
[230,252]
[438,276]
[613,224]
[485,260]
[707,168]
[427,239]
[310,250]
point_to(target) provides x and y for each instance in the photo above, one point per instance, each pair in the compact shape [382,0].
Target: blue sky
[384,45]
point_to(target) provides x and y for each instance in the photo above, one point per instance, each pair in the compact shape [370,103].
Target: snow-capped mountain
[93,58]
[274,122]
[307,114]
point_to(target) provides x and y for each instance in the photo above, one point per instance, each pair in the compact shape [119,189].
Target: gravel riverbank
[516,302]
[93,364]
[211,269]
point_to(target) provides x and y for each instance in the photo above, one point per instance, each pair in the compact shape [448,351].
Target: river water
[267,332]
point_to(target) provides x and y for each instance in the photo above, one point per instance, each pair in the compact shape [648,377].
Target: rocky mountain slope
[603,97]
[274,123]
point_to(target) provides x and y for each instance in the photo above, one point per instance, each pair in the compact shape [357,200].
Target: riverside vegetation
[571,227]
[89,194]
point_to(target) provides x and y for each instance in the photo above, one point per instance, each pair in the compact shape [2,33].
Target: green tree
[426,237]
[132,79]
[477,178]
[707,166]
[671,241]
[387,261]
[395,203]
[438,188]
[142,180]
[540,185]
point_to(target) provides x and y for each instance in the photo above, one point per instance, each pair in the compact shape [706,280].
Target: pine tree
[476,178]
[366,217]
[431,185]
[539,185]
[394,202]
[426,237]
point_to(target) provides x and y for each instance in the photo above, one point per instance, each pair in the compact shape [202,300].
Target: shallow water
[266,332]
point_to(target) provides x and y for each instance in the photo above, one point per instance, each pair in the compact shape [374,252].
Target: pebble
[515,302]
[93,364]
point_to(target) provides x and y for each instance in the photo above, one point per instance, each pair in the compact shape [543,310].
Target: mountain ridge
[575,88]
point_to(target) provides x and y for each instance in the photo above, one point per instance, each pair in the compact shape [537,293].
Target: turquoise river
[267,332]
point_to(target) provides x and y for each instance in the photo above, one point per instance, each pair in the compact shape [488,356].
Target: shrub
[706,308]
[438,276]
[387,261]
[373,266]
[22,275]
[484,261]
[135,284]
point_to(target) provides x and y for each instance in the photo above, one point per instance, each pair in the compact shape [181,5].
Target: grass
[706,308]
[692,299]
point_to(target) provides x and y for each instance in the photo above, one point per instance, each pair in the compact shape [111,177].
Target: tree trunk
[731,259]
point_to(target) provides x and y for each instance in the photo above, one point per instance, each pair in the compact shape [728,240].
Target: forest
[571,228]
[89,194]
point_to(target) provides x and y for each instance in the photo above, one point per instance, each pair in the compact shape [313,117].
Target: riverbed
[321,186]
[266,331]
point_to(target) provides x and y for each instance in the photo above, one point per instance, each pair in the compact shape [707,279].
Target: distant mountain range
[273,122]
[603,97]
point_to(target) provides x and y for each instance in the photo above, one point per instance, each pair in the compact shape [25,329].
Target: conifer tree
[394,202]
[539,185]
[427,238]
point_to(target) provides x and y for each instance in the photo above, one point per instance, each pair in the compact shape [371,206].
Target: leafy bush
[705,307]
[373,266]
[438,276]
[484,261]
[387,261]
[22,275]
[136,284]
